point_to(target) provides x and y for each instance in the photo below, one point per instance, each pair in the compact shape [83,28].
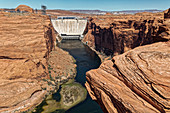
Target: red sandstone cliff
[117,34]
[138,80]
[24,49]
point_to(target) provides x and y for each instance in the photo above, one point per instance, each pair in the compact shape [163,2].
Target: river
[86,59]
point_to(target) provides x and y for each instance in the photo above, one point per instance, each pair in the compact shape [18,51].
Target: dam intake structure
[69,27]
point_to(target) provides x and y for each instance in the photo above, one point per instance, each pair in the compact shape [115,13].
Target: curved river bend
[86,59]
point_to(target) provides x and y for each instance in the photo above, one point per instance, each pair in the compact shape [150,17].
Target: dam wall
[68,28]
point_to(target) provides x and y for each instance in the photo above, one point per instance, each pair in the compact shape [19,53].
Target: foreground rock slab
[136,81]
[26,41]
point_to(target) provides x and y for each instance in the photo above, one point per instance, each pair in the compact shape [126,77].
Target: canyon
[136,79]
[28,57]
[26,42]
[116,34]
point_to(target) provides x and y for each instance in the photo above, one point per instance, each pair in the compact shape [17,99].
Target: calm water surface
[86,60]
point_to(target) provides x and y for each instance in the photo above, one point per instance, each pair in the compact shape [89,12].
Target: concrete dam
[69,27]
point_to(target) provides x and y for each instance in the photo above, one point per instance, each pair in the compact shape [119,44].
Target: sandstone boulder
[24,8]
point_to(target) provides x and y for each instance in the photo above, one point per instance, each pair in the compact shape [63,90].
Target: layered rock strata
[25,44]
[137,81]
[115,35]
[164,29]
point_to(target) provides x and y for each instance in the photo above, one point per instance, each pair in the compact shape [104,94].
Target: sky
[105,5]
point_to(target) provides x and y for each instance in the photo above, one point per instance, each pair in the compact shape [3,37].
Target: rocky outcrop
[164,29]
[137,81]
[25,44]
[115,35]
[167,14]
[24,8]
[62,66]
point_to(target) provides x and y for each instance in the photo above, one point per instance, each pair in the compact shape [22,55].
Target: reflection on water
[86,60]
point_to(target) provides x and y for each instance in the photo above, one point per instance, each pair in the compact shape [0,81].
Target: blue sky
[108,5]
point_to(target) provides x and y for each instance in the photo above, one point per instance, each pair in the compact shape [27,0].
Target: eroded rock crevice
[6,57]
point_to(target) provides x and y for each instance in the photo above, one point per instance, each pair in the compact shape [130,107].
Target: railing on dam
[69,27]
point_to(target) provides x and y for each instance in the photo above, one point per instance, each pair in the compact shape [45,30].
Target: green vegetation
[74,61]
[70,81]
[71,95]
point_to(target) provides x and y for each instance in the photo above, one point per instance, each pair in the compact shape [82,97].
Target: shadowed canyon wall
[115,35]
[136,81]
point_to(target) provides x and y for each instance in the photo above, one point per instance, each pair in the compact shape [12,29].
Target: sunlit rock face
[138,79]
[164,29]
[24,49]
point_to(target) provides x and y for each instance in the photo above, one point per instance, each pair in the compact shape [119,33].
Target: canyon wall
[117,34]
[26,41]
[138,80]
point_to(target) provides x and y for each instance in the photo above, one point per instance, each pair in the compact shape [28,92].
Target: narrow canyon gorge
[136,79]
[116,34]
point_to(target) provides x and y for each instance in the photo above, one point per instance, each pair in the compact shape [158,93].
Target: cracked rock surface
[26,41]
[136,81]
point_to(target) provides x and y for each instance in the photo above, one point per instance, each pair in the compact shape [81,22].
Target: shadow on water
[56,96]
[86,59]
